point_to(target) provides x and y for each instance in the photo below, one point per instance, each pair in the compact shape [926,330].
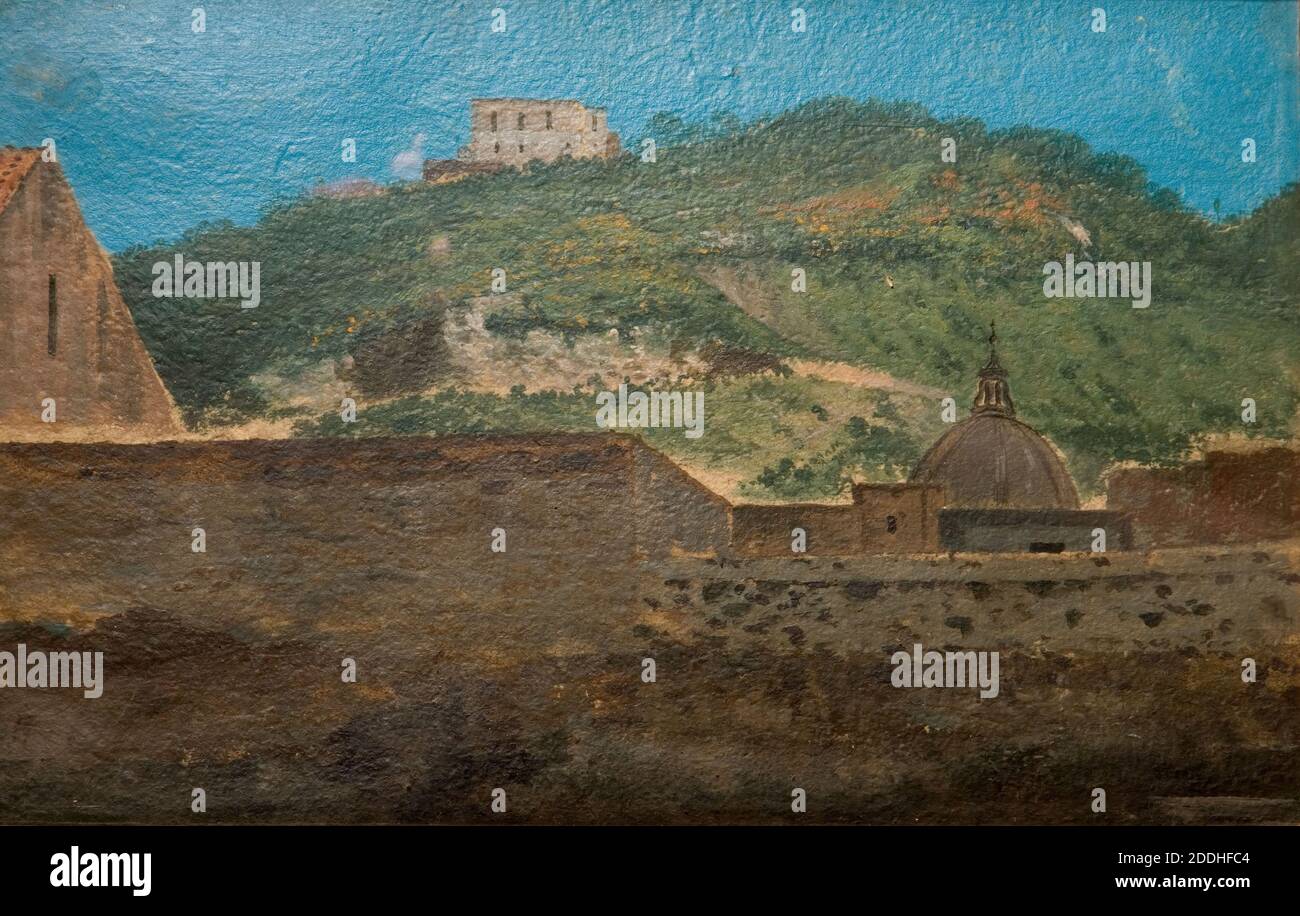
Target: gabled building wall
[65,332]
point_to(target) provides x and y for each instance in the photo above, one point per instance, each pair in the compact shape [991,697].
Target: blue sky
[160,128]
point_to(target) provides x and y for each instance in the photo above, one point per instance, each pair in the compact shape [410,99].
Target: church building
[1005,486]
[991,483]
[72,365]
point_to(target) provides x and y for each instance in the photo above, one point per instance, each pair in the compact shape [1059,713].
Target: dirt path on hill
[849,374]
[750,299]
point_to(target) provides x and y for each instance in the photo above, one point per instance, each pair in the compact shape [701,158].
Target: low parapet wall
[1034,530]
[770,531]
[336,533]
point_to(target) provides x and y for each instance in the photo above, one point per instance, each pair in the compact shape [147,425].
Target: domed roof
[992,459]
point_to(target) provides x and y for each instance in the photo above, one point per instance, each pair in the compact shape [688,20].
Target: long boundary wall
[599,532]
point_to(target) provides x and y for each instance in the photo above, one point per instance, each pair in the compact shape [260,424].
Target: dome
[992,459]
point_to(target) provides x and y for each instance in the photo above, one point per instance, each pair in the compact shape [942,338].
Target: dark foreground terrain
[762,685]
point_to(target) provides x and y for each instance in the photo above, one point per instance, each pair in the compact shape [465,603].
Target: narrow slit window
[548,121]
[891,524]
[494,122]
[521,122]
[101,325]
[52,335]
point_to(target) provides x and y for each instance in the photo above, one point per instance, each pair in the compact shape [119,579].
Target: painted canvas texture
[566,412]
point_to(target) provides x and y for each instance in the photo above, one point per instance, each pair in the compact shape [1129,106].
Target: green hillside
[907,260]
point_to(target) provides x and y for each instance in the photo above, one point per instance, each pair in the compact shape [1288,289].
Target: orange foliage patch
[847,201]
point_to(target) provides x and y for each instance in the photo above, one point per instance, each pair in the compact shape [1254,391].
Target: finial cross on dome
[993,349]
[993,459]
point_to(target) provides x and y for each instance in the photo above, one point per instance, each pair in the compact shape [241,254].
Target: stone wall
[378,530]
[676,515]
[1197,599]
[767,531]
[884,518]
[517,131]
[336,530]
[898,518]
[1032,530]
[1226,497]
[523,670]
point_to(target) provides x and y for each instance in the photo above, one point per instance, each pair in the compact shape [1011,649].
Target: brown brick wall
[1227,497]
[765,531]
[371,527]
[395,530]
[675,514]
[914,510]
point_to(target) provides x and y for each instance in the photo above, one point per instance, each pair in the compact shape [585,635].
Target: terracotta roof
[14,166]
